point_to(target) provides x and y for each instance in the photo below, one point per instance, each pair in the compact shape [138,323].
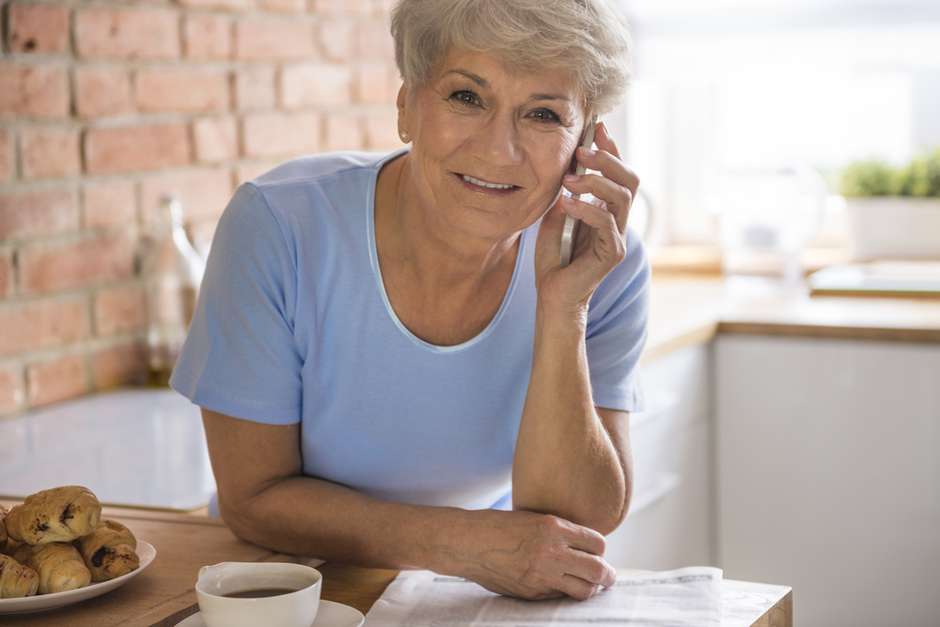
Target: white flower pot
[893,227]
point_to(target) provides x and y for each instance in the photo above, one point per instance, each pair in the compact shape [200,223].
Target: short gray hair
[585,37]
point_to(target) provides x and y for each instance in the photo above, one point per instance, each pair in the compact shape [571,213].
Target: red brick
[181,89]
[33,90]
[50,266]
[280,134]
[49,152]
[119,365]
[337,40]
[37,212]
[43,323]
[203,193]
[108,204]
[56,380]
[12,394]
[6,273]
[254,88]
[343,7]
[377,83]
[232,5]
[131,148]
[38,28]
[274,38]
[382,130]
[7,163]
[101,91]
[127,33]
[284,6]
[344,131]
[120,310]
[374,41]
[249,170]
[315,84]
[216,139]
[207,37]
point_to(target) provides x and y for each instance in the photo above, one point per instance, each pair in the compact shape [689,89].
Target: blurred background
[789,156]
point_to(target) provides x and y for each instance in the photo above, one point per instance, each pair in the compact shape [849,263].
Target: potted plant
[893,212]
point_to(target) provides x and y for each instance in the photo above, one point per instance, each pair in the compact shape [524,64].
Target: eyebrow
[482,82]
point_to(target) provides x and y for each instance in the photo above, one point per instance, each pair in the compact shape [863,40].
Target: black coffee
[259,593]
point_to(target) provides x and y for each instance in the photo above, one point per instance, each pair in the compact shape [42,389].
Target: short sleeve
[616,330]
[240,357]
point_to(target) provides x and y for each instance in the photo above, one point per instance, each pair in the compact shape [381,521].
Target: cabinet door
[829,475]
[669,523]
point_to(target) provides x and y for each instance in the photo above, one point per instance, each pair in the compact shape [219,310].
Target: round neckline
[380,282]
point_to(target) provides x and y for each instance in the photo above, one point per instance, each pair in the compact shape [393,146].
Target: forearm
[308,516]
[565,462]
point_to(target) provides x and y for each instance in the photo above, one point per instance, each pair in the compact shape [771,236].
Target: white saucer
[330,614]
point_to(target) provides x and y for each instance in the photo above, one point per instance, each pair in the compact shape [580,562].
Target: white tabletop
[140,447]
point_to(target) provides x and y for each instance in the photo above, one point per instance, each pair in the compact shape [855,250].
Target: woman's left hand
[601,238]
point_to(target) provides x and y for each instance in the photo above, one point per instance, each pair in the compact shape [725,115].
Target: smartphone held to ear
[570,232]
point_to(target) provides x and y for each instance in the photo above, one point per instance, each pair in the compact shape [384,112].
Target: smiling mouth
[486,187]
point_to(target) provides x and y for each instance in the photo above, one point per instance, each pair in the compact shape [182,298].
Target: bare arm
[572,459]
[265,499]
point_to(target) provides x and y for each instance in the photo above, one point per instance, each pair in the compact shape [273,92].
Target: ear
[401,101]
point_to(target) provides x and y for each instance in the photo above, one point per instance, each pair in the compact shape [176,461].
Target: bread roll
[59,565]
[16,580]
[109,551]
[3,528]
[56,515]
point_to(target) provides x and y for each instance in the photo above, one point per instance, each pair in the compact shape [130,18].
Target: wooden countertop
[163,595]
[691,309]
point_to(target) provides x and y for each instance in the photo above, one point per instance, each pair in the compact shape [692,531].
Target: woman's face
[476,117]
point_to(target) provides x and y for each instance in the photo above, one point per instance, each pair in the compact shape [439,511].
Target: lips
[482,189]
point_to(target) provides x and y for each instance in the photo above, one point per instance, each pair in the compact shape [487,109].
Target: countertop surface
[163,595]
[689,309]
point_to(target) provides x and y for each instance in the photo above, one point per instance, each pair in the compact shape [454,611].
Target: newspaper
[677,598]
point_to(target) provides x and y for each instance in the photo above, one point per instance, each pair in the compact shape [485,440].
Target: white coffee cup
[294,609]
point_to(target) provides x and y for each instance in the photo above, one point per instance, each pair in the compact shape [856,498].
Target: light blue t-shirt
[293,324]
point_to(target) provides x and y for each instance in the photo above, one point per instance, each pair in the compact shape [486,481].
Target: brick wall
[105,106]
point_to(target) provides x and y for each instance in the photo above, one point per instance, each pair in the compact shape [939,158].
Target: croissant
[16,580]
[56,515]
[109,551]
[3,527]
[59,565]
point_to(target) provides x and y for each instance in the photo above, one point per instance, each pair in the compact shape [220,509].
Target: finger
[604,141]
[583,538]
[610,166]
[591,568]
[617,197]
[590,214]
[577,588]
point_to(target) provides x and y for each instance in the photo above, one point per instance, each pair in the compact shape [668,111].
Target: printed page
[677,598]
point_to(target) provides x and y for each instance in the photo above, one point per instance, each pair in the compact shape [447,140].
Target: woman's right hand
[532,556]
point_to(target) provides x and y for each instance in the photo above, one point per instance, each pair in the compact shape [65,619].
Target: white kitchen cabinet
[828,469]
[670,520]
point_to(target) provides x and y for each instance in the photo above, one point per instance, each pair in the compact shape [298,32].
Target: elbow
[240,520]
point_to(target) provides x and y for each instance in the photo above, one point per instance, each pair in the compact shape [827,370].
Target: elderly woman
[393,367]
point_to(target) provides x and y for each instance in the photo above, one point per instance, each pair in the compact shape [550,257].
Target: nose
[500,141]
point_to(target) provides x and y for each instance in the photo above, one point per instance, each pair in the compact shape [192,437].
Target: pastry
[59,565]
[56,515]
[3,528]
[16,580]
[109,551]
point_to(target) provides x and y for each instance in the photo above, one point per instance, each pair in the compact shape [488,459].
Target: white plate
[330,614]
[42,602]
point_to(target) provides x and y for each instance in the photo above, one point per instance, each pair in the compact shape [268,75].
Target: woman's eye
[546,115]
[465,97]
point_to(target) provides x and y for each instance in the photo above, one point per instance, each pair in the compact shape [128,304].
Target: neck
[438,256]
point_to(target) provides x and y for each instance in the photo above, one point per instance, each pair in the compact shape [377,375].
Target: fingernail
[569,178]
[587,152]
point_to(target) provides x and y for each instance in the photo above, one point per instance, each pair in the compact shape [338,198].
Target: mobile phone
[570,232]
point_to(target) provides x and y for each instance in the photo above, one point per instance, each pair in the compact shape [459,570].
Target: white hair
[587,38]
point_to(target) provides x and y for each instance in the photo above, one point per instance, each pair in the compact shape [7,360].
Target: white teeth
[470,179]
